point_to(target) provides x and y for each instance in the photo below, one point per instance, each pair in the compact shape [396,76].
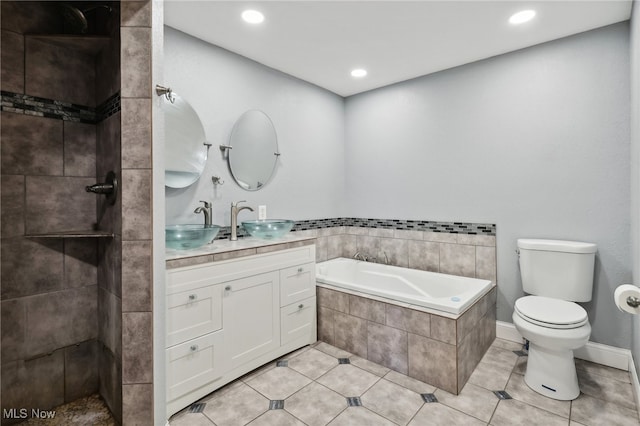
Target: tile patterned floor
[323,385]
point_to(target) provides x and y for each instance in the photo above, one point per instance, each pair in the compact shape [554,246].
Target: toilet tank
[558,269]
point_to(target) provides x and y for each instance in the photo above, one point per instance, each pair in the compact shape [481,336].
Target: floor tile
[392,401]
[348,380]
[519,390]
[436,414]
[371,367]
[315,404]
[521,365]
[501,358]
[332,350]
[313,363]
[506,344]
[258,371]
[602,370]
[473,400]
[239,406]
[353,416]
[279,383]
[490,377]
[596,412]
[513,412]
[276,418]
[190,419]
[603,387]
[229,387]
[409,382]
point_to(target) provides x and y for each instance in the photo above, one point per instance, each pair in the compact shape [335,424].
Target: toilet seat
[551,313]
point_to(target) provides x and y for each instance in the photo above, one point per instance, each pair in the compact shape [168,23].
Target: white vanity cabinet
[227,318]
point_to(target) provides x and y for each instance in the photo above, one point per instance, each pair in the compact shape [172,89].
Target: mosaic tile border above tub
[59,110]
[400,224]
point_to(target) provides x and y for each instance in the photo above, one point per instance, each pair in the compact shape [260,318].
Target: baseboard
[635,384]
[594,352]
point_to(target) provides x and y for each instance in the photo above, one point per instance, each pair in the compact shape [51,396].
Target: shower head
[75,20]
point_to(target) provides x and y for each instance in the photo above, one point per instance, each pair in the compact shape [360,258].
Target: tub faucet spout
[234,218]
[360,256]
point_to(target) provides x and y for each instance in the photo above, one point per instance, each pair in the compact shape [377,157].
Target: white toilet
[556,274]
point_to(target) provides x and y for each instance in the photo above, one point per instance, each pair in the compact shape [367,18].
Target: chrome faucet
[207,211]
[360,256]
[234,218]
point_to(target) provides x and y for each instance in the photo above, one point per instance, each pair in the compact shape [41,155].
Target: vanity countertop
[225,249]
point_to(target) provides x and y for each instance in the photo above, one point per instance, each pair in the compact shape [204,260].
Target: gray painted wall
[536,141]
[309,121]
[635,167]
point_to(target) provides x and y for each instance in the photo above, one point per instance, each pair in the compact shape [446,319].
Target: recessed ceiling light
[252,16]
[359,72]
[522,17]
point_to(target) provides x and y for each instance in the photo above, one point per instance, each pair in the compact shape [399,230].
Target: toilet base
[552,373]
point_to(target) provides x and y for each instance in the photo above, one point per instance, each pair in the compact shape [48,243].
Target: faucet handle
[206,204]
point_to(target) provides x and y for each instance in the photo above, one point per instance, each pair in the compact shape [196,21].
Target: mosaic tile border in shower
[59,110]
[408,225]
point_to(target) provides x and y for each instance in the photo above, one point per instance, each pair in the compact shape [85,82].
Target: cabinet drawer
[193,313]
[298,320]
[297,283]
[193,364]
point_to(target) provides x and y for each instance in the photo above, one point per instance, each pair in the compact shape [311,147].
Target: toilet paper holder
[633,301]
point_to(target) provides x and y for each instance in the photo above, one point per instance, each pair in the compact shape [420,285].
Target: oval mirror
[254,150]
[186,152]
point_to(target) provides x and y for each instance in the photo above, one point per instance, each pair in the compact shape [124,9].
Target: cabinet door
[251,317]
[298,320]
[193,313]
[297,283]
[193,364]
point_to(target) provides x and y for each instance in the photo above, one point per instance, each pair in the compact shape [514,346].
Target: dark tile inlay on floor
[520,353]
[354,401]
[276,404]
[344,361]
[429,397]
[502,394]
[283,363]
[198,407]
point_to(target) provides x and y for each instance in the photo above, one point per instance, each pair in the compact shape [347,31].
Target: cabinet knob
[193,296]
[194,348]
[300,270]
[227,288]
[300,306]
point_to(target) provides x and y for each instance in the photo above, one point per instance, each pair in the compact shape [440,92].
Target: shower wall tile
[381,232]
[60,319]
[81,370]
[423,255]
[48,75]
[477,240]
[56,204]
[349,245]
[408,235]
[135,68]
[433,362]
[80,262]
[31,17]
[137,404]
[321,249]
[108,159]
[110,265]
[136,133]
[31,145]
[351,334]
[396,251]
[456,259]
[36,383]
[135,13]
[110,372]
[440,237]
[12,62]
[108,69]
[387,346]
[333,230]
[11,206]
[137,347]
[136,276]
[334,246]
[136,204]
[367,245]
[79,149]
[30,267]
[110,322]
[13,329]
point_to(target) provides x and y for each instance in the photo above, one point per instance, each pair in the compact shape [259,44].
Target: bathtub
[446,293]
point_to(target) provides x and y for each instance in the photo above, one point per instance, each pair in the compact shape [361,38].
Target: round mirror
[186,152]
[254,150]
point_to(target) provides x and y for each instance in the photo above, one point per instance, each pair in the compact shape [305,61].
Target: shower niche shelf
[87,44]
[73,234]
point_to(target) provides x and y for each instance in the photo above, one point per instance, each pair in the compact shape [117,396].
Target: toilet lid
[551,313]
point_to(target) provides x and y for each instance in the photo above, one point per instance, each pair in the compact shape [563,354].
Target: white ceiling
[322,41]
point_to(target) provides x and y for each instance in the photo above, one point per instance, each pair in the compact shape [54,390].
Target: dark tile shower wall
[50,288]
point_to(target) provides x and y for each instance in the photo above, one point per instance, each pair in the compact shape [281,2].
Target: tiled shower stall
[76,306]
